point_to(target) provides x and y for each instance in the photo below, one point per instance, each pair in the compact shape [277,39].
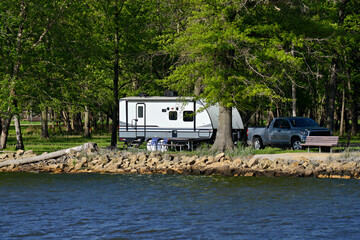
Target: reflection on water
[34,206]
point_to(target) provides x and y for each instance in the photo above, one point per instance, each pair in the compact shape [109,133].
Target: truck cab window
[188,116]
[172,115]
[285,124]
[277,123]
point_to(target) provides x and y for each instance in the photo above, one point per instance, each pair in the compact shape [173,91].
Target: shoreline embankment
[95,160]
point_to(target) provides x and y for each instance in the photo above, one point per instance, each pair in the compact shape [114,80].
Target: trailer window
[172,115]
[188,116]
[140,111]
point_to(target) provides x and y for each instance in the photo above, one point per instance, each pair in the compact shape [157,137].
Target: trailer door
[140,120]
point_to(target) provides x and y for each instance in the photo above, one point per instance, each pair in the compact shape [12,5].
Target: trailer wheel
[295,144]
[257,143]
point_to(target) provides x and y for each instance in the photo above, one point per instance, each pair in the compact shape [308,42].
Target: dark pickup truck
[285,132]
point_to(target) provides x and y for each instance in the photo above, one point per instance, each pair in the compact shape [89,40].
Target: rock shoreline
[94,160]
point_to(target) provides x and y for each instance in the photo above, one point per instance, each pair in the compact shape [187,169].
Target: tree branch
[51,23]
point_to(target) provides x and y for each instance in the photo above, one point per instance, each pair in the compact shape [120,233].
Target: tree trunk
[16,69]
[44,123]
[334,71]
[354,119]
[73,121]
[135,84]
[67,121]
[223,140]
[198,87]
[115,120]
[59,125]
[332,92]
[87,123]
[5,122]
[354,109]
[321,112]
[293,87]
[270,117]
[293,91]
[277,109]
[19,141]
[94,119]
[107,121]
[342,114]
[78,122]
[48,155]
[53,119]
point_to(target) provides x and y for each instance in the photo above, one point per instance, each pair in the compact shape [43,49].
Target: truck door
[139,122]
[283,133]
[274,134]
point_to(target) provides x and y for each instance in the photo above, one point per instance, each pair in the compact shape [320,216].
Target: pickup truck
[285,132]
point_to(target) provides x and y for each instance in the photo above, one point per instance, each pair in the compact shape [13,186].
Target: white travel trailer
[170,120]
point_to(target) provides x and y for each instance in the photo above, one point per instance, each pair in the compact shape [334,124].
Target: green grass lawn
[58,141]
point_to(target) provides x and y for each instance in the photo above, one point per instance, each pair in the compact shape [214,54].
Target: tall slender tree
[26,28]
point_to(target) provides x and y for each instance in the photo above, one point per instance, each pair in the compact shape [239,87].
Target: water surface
[44,206]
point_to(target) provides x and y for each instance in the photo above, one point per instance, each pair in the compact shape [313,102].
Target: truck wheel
[257,143]
[295,144]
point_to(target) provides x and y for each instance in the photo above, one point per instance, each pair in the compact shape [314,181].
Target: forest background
[71,61]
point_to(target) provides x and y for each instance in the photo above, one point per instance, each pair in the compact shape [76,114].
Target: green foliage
[237,52]
[240,53]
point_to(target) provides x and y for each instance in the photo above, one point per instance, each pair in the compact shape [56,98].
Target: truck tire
[257,143]
[295,144]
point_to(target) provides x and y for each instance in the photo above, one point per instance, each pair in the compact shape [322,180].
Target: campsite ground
[62,140]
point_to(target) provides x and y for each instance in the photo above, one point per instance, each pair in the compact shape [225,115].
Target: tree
[24,29]
[334,69]
[125,39]
[227,44]
[204,52]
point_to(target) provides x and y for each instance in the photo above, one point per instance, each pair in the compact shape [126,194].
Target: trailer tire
[257,143]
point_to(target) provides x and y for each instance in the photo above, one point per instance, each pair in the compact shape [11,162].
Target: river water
[94,206]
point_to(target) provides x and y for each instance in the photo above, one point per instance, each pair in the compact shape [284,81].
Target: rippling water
[43,206]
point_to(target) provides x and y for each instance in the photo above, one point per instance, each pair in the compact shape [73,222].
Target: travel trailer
[170,121]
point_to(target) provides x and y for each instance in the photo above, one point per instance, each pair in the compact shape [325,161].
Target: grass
[240,150]
[57,140]
[24,122]
[351,155]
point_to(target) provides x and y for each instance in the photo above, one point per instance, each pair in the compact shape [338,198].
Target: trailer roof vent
[169,93]
[143,95]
